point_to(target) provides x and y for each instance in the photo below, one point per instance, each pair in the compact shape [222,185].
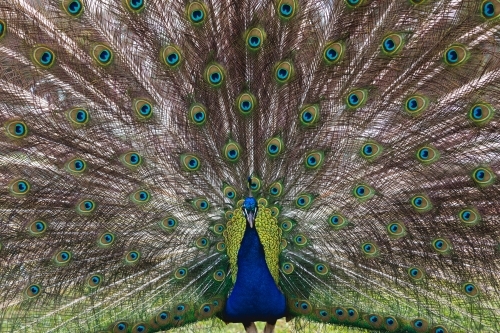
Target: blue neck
[255,296]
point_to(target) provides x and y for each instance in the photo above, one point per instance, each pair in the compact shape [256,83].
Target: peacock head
[250,210]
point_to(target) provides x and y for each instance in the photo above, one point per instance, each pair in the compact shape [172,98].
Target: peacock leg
[269,327]
[250,327]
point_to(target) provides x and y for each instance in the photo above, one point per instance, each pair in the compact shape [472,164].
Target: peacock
[164,163]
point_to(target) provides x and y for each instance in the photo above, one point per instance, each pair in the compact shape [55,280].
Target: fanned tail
[130,129]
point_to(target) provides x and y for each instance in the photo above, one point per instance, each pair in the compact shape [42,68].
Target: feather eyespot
[181,273]
[221,246]
[168,223]
[276,189]
[337,221]
[286,9]
[301,306]
[202,243]
[198,114]
[456,55]
[304,201]
[469,217]
[333,52]
[470,289]
[371,150]
[16,129]
[374,320]
[420,325]
[132,257]
[255,39]
[284,71]
[102,55]
[229,192]
[200,204]
[205,311]
[490,9]
[135,6]
[163,318]
[439,329]
[181,308]
[37,228]
[287,268]
[274,147]
[229,214]
[352,314]
[190,162]
[416,104]
[309,115]
[396,230]
[357,98]
[219,275]
[140,197]
[321,269]
[19,187]
[314,159]
[171,56]
[481,114]
[120,327]
[62,257]
[427,154]
[3,28]
[300,240]
[355,3]
[286,225]
[140,328]
[43,57]
[392,44]
[78,116]
[73,7]
[391,324]
[441,246]
[131,159]
[107,239]
[231,151]
[421,203]
[143,108]
[369,249]
[76,166]
[322,314]
[94,281]
[416,273]
[255,183]
[363,192]
[483,176]
[215,75]
[197,13]
[246,103]
[275,211]
[85,206]
[33,290]
[340,313]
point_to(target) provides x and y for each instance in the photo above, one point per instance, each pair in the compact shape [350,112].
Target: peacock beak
[250,216]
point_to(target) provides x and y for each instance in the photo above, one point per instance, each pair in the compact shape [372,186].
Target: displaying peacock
[169,162]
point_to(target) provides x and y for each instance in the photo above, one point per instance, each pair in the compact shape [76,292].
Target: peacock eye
[284,71]
[102,54]
[254,39]
[309,115]
[215,75]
